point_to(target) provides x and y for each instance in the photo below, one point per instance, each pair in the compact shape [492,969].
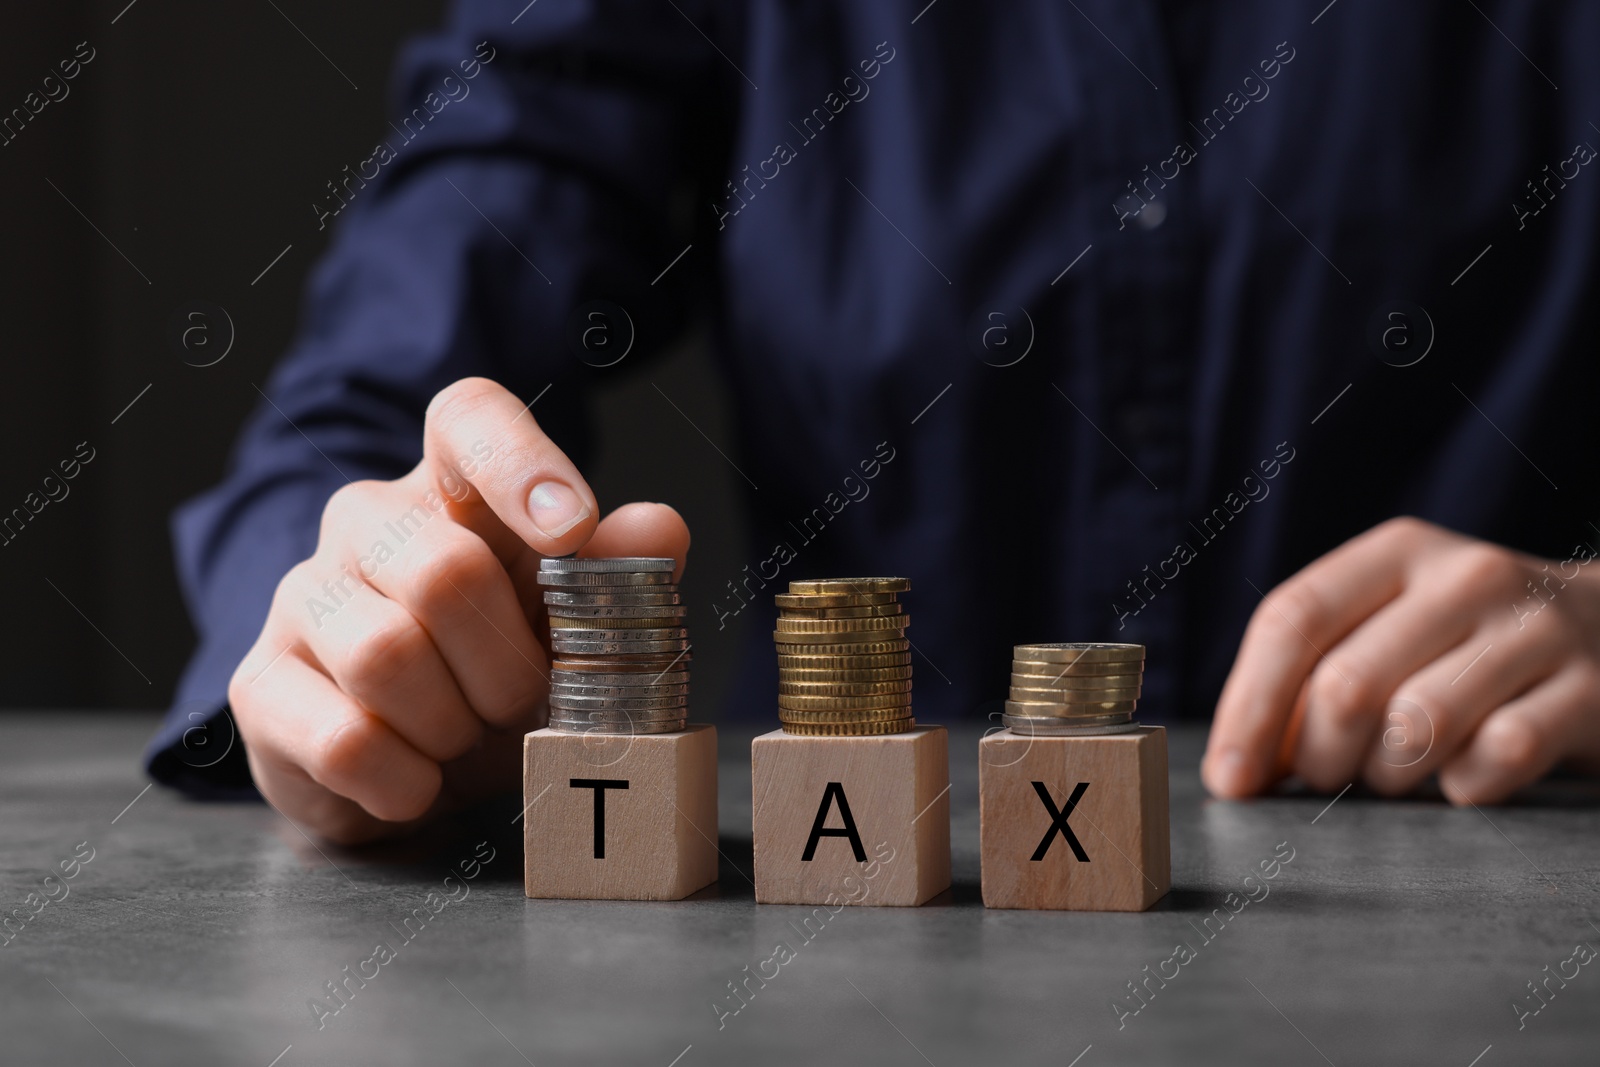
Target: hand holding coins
[844,664]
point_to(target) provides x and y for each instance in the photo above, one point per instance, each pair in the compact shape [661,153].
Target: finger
[1434,712]
[1519,742]
[450,581]
[631,530]
[312,807]
[379,655]
[500,475]
[1351,685]
[291,714]
[1286,636]
[641,530]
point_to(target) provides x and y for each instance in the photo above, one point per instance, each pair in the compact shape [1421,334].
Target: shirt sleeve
[539,157]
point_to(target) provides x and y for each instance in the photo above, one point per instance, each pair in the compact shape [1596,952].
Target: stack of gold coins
[844,664]
[1075,688]
[617,628]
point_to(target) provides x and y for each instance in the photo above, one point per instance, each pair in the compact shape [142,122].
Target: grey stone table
[1401,932]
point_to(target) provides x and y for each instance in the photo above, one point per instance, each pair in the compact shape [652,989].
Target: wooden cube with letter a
[618,816]
[1076,823]
[828,808]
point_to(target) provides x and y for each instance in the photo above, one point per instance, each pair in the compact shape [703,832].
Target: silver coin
[615,648]
[605,579]
[610,714]
[616,718]
[619,682]
[637,692]
[567,597]
[616,611]
[633,663]
[619,729]
[640,564]
[600,633]
[1060,728]
[589,703]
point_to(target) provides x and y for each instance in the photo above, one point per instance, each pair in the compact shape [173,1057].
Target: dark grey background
[195,142]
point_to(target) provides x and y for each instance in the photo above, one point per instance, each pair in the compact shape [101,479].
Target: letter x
[1058,821]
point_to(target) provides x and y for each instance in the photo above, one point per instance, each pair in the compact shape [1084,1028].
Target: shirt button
[1153,215]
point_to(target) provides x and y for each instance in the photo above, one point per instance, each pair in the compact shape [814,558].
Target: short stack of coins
[620,644]
[844,664]
[1074,688]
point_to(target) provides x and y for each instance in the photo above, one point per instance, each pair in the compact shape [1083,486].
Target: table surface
[1402,932]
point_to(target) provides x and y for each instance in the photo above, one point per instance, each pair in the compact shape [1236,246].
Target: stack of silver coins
[1074,689]
[620,644]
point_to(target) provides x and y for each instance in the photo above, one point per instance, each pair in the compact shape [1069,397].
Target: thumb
[641,530]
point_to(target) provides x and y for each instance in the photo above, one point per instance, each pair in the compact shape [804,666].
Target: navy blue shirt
[1130,309]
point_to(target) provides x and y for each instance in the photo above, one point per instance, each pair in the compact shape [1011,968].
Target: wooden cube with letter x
[1075,823]
[860,820]
[620,816]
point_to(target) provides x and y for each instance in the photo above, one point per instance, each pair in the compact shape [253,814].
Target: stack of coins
[1076,688]
[844,664]
[621,663]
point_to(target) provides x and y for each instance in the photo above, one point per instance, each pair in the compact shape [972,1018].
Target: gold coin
[841,637]
[866,715]
[852,729]
[1074,696]
[1057,680]
[592,622]
[844,648]
[789,658]
[844,689]
[865,611]
[1080,652]
[824,676]
[844,703]
[858,586]
[1067,711]
[833,626]
[1079,669]
[1054,723]
[832,600]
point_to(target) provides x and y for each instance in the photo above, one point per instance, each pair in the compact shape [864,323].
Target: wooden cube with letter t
[827,809]
[1076,823]
[620,816]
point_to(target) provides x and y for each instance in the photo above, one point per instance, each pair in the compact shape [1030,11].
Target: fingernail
[556,508]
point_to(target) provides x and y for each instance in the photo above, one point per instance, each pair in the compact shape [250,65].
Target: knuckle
[1511,744]
[345,752]
[1404,527]
[1482,566]
[439,580]
[349,504]
[457,399]
[511,701]
[382,653]
[1291,608]
[1344,692]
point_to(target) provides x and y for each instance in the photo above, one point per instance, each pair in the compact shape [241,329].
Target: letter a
[820,830]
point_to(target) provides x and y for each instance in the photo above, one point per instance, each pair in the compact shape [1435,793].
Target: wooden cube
[1076,823]
[620,817]
[851,820]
